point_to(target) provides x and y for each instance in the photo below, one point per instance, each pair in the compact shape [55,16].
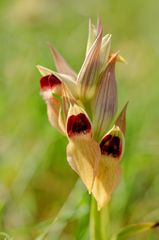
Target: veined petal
[105,51]
[70,83]
[109,170]
[87,76]
[61,64]
[84,156]
[121,120]
[105,103]
[92,34]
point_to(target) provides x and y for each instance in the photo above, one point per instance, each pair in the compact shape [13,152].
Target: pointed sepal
[92,34]
[88,75]
[105,51]
[61,65]
[121,120]
[43,70]
[104,105]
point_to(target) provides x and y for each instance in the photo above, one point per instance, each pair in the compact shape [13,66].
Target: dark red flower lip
[49,82]
[78,124]
[111,146]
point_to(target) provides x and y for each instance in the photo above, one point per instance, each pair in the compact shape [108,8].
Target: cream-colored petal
[106,181]
[53,107]
[85,154]
[108,175]
[76,109]
[44,71]
[70,158]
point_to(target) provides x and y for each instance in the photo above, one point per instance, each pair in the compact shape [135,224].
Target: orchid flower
[83,107]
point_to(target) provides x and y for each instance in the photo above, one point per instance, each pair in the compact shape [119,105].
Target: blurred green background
[35,178]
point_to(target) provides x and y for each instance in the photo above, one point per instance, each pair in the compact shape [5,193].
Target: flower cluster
[83,107]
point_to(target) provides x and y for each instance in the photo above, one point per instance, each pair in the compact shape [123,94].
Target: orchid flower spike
[83,107]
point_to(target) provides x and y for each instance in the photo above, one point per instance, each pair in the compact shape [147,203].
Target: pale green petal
[92,34]
[105,51]
[88,74]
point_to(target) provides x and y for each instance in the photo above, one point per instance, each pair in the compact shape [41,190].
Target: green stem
[98,222]
[94,221]
[104,221]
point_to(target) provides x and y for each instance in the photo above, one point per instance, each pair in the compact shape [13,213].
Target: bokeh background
[35,179]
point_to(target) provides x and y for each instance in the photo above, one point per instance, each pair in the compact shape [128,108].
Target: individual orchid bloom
[83,107]
[109,171]
[83,152]
[50,87]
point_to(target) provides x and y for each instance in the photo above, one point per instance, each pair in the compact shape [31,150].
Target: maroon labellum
[78,124]
[111,146]
[49,82]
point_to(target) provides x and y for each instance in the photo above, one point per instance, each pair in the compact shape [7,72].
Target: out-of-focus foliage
[35,178]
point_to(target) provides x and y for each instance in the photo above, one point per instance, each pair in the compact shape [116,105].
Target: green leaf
[134,229]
